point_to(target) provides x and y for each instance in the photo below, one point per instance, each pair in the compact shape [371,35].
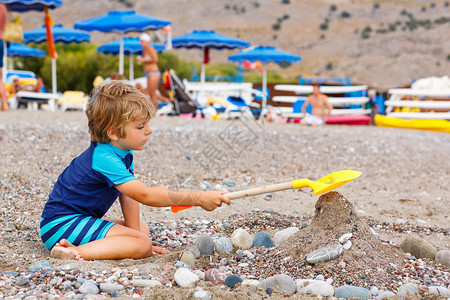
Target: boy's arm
[130,210]
[163,197]
[329,106]
[304,106]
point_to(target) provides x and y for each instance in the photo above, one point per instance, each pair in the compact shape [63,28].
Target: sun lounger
[73,100]
[347,105]
[418,104]
[33,100]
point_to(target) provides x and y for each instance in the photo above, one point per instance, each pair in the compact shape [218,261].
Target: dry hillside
[377,42]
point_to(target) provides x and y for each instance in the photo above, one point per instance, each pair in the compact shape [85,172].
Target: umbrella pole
[121,55]
[264,88]
[131,67]
[54,89]
[11,63]
[4,62]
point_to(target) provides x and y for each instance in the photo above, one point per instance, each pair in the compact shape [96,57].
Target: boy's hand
[210,200]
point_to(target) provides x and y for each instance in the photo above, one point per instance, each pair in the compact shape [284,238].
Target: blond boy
[71,223]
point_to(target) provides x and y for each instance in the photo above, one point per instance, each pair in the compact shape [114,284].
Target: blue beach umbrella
[264,54]
[26,5]
[61,34]
[19,50]
[131,45]
[205,40]
[122,22]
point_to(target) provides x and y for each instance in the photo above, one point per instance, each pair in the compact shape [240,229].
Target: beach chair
[72,100]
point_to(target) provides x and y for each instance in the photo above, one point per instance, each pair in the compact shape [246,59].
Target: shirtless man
[3,20]
[150,60]
[321,108]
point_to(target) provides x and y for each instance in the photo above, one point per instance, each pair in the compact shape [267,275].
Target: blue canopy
[60,34]
[26,5]
[131,45]
[207,39]
[121,22]
[264,54]
[19,50]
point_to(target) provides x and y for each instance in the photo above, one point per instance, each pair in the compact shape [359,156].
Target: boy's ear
[112,133]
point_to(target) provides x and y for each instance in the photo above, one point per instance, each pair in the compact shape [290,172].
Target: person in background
[150,60]
[321,108]
[3,20]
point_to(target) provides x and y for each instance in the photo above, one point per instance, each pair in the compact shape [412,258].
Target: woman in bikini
[150,60]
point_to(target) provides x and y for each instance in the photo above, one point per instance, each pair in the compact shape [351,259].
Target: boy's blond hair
[115,104]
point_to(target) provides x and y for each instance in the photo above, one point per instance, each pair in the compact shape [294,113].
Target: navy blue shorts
[2,52]
[77,229]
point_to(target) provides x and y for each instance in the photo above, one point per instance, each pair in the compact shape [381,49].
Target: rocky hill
[377,42]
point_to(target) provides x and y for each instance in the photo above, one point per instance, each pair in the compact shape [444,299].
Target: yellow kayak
[422,124]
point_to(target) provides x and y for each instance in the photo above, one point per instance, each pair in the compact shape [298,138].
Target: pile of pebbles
[244,253]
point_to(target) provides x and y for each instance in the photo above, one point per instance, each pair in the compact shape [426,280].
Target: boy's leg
[120,242]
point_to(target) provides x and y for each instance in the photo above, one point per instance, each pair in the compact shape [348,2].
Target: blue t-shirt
[86,186]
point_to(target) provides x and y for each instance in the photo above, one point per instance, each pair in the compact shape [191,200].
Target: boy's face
[136,136]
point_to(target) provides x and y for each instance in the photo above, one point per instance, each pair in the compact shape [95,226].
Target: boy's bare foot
[65,250]
[156,249]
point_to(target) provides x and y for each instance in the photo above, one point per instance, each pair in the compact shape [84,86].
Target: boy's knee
[145,248]
[144,229]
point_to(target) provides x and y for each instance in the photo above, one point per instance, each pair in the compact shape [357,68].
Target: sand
[405,174]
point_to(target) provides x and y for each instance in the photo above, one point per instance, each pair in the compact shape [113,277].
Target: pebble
[418,247]
[205,185]
[324,254]
[232,280]
[283,235]
[185,278]
[262,239]
[194,250]
[42,264]
[68,267]
[205,244]
[89,287]
[345,237]
[111,287]
[215,276]
[228,182]
[440,291]
[374,291]
[223,245]
[349,291]
[443,257]
[408,289]
[385,294]
[347,245]
[179,264]
[241,239]
[280,282]
[201,294]
[188,258]
[145,283]
[314,287]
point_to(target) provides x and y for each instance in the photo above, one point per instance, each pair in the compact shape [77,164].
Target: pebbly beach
[382,235]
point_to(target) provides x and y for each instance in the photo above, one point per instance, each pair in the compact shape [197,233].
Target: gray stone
[229,182]
[111,287]
[89,287]
[314,287]
[440,291]
[149,267]
[12,273]
[418,247]
[262,239]
[42,264]
[205,244]
[145,283]
[324,254]
[351,291]
[385,294]
[179,264]
[185,278]
[280,282]
[68,267]
[284,235]
[22,281]
[232,280]
[194,250]
[443,257]
[188,258]
[408,289]
[223,245]
[241,239]
[374,291]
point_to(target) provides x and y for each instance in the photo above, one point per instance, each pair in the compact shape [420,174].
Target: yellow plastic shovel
[324,184]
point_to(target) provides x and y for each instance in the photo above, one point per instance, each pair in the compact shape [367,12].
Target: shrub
[329,66]
[392,27]
[276,26]
[448,57]
[333,7]
[345,14]
[286,1]
[423,8]
[256,4]
[285,17]
[274,37]
[322,36]
[376,5]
